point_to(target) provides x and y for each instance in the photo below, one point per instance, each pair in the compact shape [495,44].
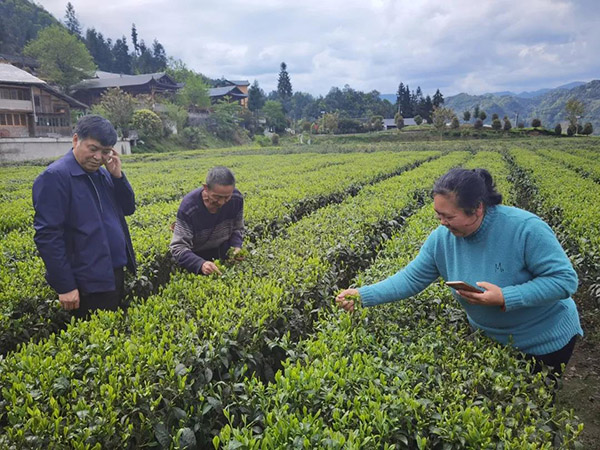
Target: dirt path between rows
[581,380]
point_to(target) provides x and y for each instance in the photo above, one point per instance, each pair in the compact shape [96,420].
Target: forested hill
[20,21]
[549,107]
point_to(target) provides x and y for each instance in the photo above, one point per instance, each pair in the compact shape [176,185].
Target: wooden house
[89,91]
[29,107]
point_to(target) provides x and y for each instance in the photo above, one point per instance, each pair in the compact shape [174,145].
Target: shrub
[418,119]
[507,124]
[496,124]
[558,129]
[455,124]
[147,123]
[571,130]
[305,125]
[346,126]
[376,123]
[275,139]
[587,129]
[478,125]
[194,137]
[536,123]
[263,141]
[495,117]
[521,125]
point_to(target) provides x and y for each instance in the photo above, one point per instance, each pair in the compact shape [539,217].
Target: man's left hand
[491,297]
[235,255]
[113,164]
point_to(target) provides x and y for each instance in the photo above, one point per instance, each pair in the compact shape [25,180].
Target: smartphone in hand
[462,286]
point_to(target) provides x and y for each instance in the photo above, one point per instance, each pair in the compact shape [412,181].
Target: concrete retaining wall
[24,149]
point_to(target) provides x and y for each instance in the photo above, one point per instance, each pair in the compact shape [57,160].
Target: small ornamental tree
[455,123]
[496,124]
[587,129]
[521,125]
[478,125]
[147,123]
[467,116]
[441,116]
[418,119]
[507,124]
[574,109]
[376,123]
[330,122]
[495,116]
[482,115]
[399,120]
[536,123]
[558,129]
[117,107]
[571,130]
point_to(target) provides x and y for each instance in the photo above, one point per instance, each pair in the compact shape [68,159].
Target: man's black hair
[98,128]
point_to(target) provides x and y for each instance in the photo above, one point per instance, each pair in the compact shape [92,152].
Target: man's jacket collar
[74,168]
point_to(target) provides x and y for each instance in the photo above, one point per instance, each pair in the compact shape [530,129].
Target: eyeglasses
[218,198]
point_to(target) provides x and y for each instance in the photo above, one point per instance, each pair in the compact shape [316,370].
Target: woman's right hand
[344,299]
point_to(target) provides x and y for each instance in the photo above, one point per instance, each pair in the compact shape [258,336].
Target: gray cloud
[456,46]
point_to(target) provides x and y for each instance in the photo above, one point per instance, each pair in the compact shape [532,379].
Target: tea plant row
[169,367]
[29,306]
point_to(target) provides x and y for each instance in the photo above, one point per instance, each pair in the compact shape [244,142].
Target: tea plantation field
[260,357]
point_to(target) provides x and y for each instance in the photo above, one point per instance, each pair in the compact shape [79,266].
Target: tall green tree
[122,58]
[159,57]
[64,59]
[438,98]
[100,49]
[134,39]
[284,85]
[71,21]
[256,97]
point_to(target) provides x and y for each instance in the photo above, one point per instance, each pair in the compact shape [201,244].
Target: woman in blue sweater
[526,278]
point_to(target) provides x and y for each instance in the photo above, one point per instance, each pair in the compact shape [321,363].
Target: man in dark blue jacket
[80,228]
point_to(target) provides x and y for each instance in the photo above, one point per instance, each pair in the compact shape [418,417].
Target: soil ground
[581,380]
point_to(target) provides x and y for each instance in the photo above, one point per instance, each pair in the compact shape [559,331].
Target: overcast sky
[472,46]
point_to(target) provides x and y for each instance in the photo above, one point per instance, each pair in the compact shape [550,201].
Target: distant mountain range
[548,105]
[539,92]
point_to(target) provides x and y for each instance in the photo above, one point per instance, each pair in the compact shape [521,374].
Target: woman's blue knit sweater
[513,249]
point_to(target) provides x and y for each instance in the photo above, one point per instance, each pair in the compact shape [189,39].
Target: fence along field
[173,369]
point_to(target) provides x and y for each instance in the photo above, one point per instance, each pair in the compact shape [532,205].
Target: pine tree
[399,97]
[71,21]
[99,49]
[256,97]
[159,57]
[284,85]
[121,56]
[134,39]
[438,98]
